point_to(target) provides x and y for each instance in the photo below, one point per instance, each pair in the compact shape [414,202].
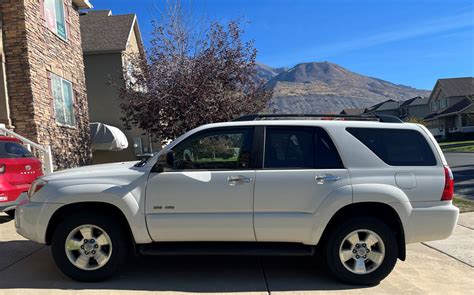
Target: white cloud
[415,29]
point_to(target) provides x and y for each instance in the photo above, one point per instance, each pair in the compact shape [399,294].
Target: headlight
[36,186]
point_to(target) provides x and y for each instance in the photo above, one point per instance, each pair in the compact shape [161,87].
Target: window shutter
[50,91]
[67,17]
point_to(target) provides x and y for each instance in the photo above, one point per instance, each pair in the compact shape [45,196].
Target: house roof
[389,105]
[414,101]
[354,112]
[420,101]
[376,106]
[82,4]
[460,106]
[456,86]
[103,32]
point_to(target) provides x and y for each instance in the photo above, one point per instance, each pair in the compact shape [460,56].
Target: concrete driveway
[28,268]
[462,165]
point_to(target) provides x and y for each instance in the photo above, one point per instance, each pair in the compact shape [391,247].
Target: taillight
[3,167]
[448,191]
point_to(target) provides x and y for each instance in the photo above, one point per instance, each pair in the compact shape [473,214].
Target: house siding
[33,52]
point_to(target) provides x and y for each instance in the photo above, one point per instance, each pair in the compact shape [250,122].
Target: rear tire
[88,247]
[361,251]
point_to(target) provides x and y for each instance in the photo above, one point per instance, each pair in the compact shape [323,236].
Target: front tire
[361,251]
[88,247]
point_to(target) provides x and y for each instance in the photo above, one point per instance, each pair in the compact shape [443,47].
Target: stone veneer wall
[32,53]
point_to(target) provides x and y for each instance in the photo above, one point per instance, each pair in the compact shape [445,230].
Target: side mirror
[165,162]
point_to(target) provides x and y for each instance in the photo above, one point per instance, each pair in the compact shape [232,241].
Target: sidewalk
[460,245]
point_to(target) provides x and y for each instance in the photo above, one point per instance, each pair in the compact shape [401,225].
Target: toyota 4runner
[356,191]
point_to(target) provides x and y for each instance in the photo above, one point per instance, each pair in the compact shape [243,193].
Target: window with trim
[55,14]
[396,147]
[443,103]
[227,149]
[61,91]
[434,106]
[300,148]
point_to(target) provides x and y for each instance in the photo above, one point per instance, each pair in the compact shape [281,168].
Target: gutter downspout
[4,105]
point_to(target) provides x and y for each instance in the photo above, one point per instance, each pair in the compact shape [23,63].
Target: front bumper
[32,219]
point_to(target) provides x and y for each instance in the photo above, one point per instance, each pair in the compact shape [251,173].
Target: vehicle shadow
[5,218]
[195,274]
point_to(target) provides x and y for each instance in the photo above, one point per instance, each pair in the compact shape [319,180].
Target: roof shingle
[457,86]
[103,32]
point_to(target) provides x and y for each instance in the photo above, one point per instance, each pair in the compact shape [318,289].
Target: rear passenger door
[301,167]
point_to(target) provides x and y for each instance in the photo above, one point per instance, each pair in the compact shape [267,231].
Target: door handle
[321,179]
[234,180]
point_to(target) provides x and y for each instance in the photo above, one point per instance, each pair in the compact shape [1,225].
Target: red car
[18,169]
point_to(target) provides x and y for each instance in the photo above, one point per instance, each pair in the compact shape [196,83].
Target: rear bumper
[11,192]
[431,223]
[6,206]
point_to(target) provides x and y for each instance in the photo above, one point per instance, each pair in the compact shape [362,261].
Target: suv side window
[220,149]
[289,147]
[300,147]
[396,147]
[327,156]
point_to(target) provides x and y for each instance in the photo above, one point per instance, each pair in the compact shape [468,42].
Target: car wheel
[361,251]
[89,248]
[11,213]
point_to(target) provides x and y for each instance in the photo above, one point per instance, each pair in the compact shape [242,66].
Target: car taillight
[3,167]
[448,191]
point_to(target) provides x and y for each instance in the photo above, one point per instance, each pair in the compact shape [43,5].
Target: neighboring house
[107,41]
[452,108]
[388,107]
[42,85]
[354,112]
[416,107]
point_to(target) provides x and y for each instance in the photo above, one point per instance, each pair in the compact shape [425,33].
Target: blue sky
[411,42]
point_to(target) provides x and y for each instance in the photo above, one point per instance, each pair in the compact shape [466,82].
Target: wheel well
[381,211]
[92,208]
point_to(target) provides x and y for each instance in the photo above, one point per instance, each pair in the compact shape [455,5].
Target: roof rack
[376,116]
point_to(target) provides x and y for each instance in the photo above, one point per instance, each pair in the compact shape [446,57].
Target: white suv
[356,190]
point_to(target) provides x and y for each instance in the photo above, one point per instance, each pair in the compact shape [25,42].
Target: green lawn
[464,205]
[458,146]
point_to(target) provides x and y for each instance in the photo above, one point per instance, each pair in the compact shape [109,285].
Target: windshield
[11,149]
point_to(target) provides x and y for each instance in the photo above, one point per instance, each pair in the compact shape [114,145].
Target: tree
[192,76]
[416,120]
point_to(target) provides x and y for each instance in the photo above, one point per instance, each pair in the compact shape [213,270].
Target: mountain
[266,73]
[324,87]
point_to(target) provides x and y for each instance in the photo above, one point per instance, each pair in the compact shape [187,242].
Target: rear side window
[289,148]
[300,147]
[327,156]
[396,147]
[11,149]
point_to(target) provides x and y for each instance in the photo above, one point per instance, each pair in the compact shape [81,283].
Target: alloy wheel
[88,247]
[362,251]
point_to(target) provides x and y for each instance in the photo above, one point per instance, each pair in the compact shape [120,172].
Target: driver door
[208,193]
